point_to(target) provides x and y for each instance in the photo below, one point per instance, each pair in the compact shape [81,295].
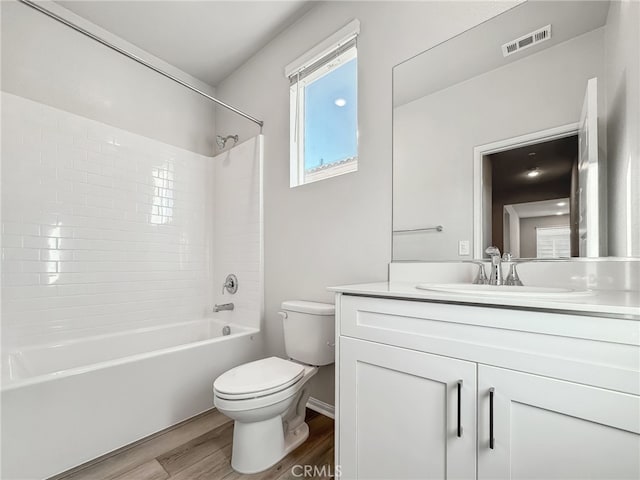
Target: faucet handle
[513,278]
[481,277]
[506,257]
[230,284]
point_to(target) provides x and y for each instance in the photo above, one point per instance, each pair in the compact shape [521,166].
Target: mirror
[521,133]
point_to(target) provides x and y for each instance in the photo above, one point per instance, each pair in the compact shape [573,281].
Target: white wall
[102,229]
[622,43]
[434,137]
[338,230]
[48,62]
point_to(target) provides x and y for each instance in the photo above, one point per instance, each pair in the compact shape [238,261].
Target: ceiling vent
[526,41]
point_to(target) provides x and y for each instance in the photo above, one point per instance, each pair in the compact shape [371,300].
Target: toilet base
[296,438]
[260,445]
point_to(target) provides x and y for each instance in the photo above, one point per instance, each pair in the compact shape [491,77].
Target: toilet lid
[258,378]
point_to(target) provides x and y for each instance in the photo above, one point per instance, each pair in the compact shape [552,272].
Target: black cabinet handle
[492,440]
[459,408]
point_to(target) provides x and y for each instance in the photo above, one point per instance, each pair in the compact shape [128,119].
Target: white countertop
[607,302]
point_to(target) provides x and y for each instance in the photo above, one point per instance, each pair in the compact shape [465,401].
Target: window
[324,111]
[553,242]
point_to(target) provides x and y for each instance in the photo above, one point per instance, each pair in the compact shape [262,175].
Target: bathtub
[67,403]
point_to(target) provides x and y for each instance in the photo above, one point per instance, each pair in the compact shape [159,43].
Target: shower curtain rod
[135,58]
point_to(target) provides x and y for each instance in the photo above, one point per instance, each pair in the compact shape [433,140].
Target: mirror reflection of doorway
[538,229]
[534,195]
[560,162]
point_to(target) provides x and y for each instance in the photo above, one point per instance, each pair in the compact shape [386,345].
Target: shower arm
[136,58]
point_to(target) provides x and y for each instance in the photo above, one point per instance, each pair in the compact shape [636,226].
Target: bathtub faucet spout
[224,306]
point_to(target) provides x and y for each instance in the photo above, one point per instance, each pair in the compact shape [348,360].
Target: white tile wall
[237,229]
[102,230]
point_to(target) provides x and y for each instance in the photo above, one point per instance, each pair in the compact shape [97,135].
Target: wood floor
[200,449]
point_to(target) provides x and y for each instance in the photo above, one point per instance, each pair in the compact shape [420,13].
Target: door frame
[514,228]
[479,160]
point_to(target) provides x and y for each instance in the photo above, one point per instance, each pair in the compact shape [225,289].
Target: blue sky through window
[330,121]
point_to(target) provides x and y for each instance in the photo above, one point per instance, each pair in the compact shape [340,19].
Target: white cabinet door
[552,429]
[399,413]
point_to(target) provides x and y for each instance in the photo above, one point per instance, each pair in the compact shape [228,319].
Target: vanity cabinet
[545,428]
[400,412]
[557,393]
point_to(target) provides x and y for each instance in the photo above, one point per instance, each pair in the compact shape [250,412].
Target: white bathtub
[67,403]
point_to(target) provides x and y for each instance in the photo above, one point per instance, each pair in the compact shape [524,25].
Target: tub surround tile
[92,208]
[237,234]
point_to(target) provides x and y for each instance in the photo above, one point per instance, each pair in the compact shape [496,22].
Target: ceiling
[553,159]
[545,208]
[206,39]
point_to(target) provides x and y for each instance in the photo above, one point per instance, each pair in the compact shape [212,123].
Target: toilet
[267,398]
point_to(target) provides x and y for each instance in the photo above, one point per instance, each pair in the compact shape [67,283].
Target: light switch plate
[463,247]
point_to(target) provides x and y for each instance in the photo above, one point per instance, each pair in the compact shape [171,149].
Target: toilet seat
[253,401]
[267,398]
[258,379]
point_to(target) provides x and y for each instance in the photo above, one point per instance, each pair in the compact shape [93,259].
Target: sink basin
[507,290]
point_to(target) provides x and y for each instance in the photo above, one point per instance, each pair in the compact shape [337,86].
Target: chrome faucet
[224,306]
[496,266]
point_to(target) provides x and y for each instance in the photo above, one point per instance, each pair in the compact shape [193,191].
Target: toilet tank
[309,331]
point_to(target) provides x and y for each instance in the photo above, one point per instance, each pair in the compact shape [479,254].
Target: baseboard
[321,407]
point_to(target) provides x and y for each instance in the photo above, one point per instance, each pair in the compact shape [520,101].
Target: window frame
[547,232]
[320,65]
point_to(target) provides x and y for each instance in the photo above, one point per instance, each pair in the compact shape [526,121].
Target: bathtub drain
[226,330]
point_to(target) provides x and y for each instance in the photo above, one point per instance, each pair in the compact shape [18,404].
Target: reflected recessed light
[559,213]
[533,172]
[561,204]
[341,102]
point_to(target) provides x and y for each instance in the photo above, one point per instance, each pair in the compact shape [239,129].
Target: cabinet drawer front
[399,413]
[595,351]
[547,428]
